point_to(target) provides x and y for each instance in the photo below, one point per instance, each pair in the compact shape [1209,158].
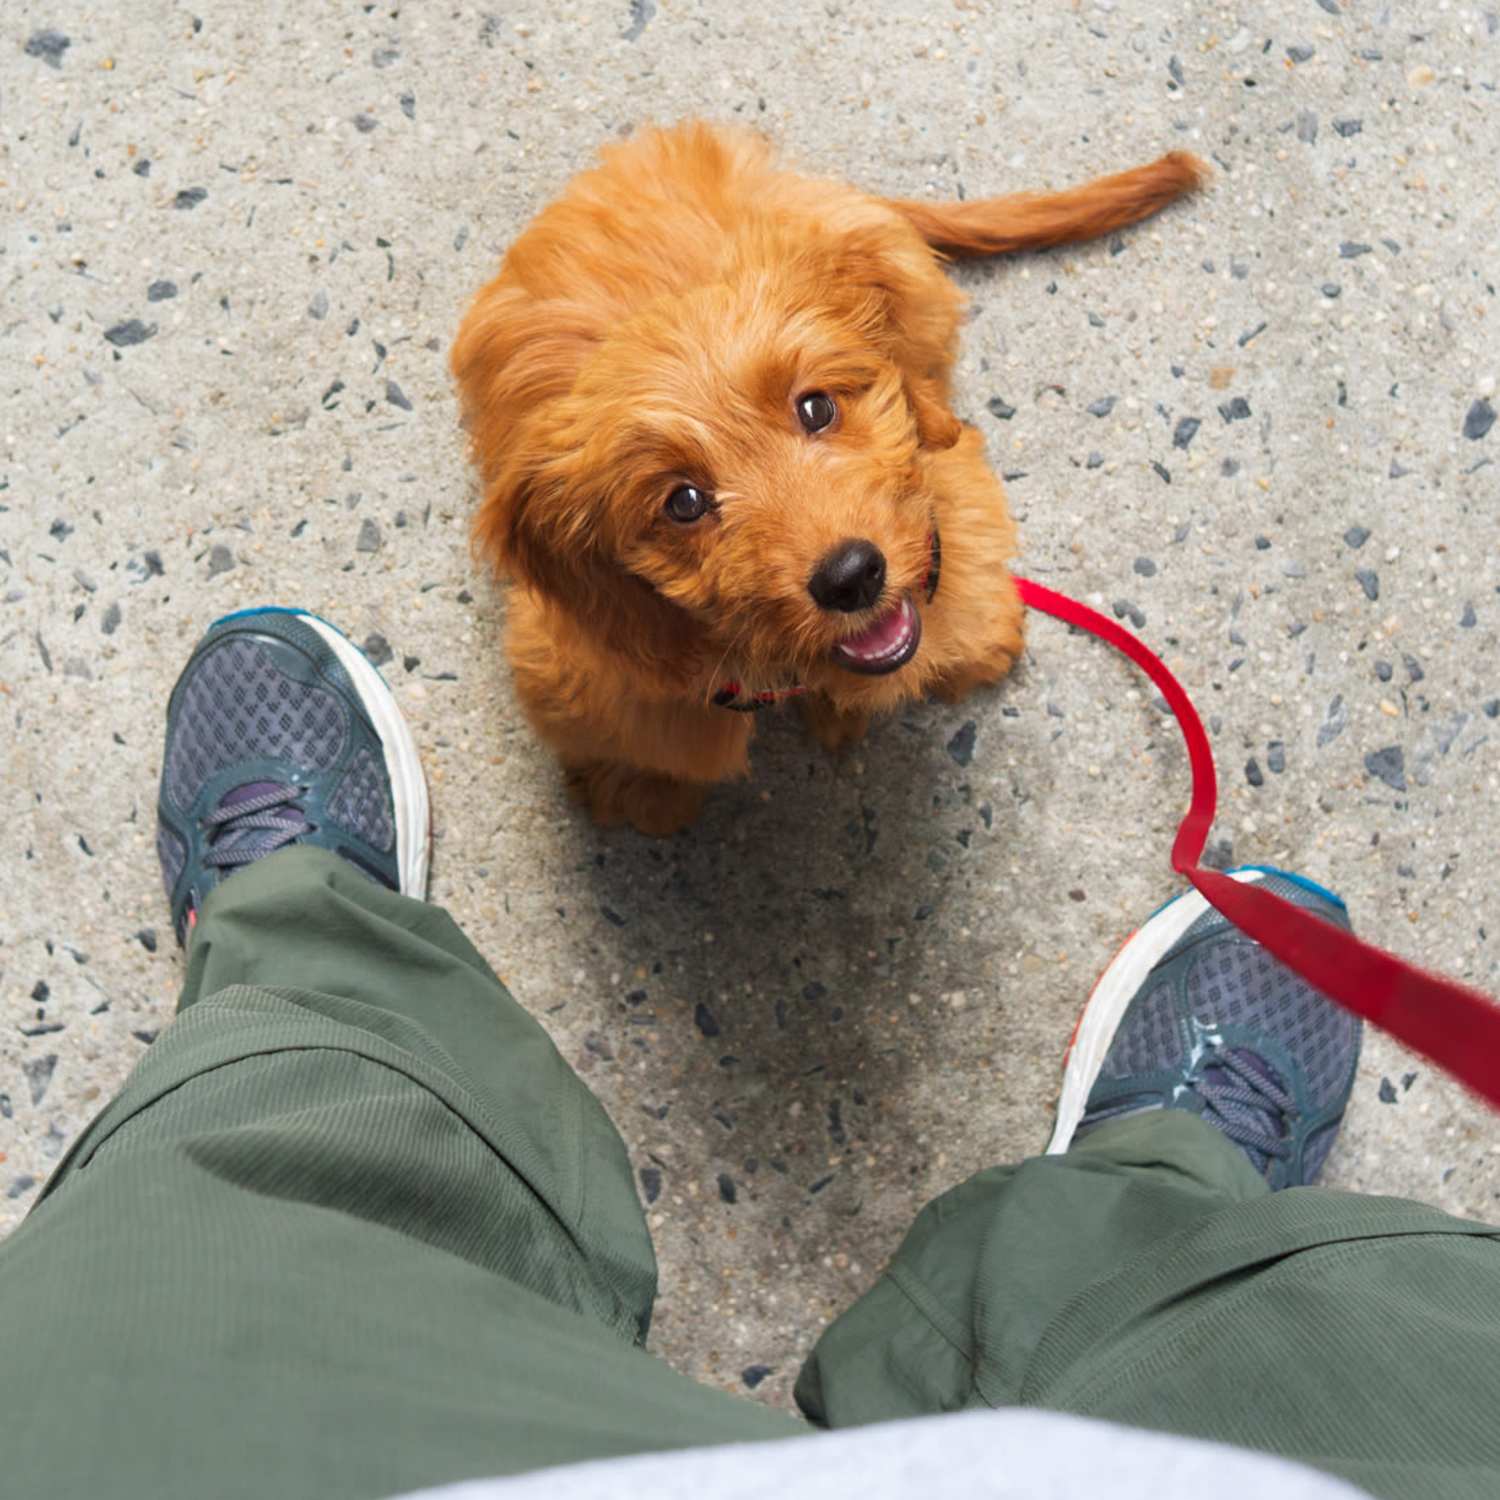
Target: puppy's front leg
[834,728]
[650,802]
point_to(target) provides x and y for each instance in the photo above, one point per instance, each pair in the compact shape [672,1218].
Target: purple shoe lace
[252,821]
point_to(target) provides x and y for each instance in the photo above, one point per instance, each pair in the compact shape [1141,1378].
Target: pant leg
[1149,1277]
[352,1226]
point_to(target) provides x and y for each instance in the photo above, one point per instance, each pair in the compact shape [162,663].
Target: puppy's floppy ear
[908,309]
[937,427]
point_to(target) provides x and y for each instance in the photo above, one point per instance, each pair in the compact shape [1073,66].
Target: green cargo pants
[353,1227]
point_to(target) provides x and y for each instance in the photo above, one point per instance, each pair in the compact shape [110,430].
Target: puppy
[708,400]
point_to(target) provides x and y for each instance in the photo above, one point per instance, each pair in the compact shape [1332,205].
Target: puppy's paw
[833,728]
[655,805]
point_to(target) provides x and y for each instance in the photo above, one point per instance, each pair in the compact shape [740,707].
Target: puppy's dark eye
[816,410]
[688,503]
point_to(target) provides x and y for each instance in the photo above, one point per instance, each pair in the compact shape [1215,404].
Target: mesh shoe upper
[1225,1030]
[268,743]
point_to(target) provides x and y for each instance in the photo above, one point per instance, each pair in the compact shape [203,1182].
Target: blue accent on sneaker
[271,742]
[1224,1030]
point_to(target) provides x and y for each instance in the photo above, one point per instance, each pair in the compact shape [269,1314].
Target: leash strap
[1458,1028]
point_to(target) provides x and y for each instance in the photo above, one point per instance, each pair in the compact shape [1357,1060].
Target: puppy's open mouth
[889,643]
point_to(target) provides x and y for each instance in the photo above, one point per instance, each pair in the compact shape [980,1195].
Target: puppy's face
[753,458]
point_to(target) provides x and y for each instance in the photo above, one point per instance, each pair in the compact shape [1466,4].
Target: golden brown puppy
[708,402]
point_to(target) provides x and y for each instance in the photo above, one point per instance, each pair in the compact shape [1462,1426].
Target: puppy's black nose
[848,578]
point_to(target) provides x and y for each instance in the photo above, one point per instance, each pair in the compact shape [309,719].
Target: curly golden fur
[655,328]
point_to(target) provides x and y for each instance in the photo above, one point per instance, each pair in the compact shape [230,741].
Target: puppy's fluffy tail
[1033,221]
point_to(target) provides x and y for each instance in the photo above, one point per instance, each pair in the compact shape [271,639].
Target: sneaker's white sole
[1111,997]
[403,764]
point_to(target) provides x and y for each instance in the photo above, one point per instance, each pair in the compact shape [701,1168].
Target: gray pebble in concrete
[1369,580]
[1478,421]
[1388,765]
[1103,406]
[49,46]
[125,335]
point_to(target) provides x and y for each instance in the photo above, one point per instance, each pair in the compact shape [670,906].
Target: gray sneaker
[280,732]
[1194,1015]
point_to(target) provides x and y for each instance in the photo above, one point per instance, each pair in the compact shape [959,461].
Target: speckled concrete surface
[235,248]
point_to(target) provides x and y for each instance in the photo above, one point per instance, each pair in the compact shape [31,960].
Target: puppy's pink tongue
[886,637]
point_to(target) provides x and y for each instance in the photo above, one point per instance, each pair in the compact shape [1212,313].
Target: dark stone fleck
[143,167]
[49,46]
[411,663]
[39,1071]
[1331,289]
[383,57]
[1407,1079]
[1384,671]
[1103,406]
[317,309]
[369,536]
[146,937]
[220,560]
[1237,410]
[1480,419]
[1161,471]
[611,916]
[1263,544]
[1229,468]
[1174,68]
[1185,431]
[820,1184]
[1398,470]
[1145,567]
[1094,461]
[161,291]
[123,335]
[1369,581]
[145,1035]
[752,1375]
[111,620]
[1352,249]
[641,14]
[1492,709]
[704,1019]
[1307,127]
[1276,757]
[1346,128]
[1250,334]
[378,649]
[408,102]
[1387,1091]
[961,746]
[727,1190]
[1388,765]
[1468,619]
[22,1184]
[1124,609]
[396,396]
[1300,54]
[190,197]
[41,992]
[1334,722]
[1253,772]
[1356,537]
[999,407]
[364,123]
[651,1183]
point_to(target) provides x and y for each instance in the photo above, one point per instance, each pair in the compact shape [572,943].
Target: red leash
[1458,1028]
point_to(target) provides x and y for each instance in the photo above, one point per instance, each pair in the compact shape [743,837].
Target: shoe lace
[246,831]
[1246,1101]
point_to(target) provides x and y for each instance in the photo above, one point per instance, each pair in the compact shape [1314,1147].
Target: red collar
[733,697]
